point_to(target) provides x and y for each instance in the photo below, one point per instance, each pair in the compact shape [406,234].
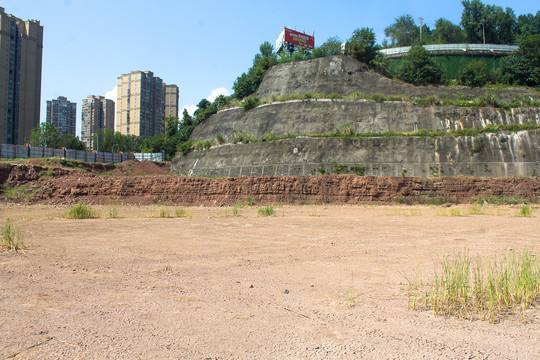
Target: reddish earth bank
[146,183]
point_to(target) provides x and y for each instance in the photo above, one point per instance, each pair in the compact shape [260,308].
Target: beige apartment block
[171,101]
[21,47]
[97,113]
[140,107]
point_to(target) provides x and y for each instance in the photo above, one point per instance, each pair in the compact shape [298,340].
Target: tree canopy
[418,68]
[362,45]
[46,134]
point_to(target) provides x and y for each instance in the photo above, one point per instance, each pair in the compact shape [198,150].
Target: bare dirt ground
[311,282]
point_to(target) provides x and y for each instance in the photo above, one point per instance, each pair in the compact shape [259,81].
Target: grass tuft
[113,213]
[266,210]
[472,289]
[525,210]
[80,211]
[11,238]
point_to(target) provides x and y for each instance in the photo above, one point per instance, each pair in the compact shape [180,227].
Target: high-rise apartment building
[140,108]
[97,114]
[171,100]
[21,47]
[62,113]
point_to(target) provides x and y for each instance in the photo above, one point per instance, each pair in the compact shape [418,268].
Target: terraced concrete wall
[325,116]
[490,155]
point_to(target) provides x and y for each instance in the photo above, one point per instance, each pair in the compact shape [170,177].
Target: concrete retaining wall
[491,155]
[325,116]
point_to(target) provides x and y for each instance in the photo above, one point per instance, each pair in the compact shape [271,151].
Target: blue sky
[202,46]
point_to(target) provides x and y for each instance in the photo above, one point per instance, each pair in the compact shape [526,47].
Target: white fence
[488,48]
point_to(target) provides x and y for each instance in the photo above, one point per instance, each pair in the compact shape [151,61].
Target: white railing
[453,48]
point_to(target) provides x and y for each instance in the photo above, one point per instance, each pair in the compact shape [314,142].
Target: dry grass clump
[475,289]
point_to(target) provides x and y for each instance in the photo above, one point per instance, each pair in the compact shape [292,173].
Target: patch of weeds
[236,209]
[181,212]
[164,213]
[47,172]
[341,169]
[80,211]
[220,139]
[250,201]
[476,209]
[250,103]
[335,96]
[113,213]
[20,194]
[11,238]
[473,289]
[525,210]
[266,210]
[358,170]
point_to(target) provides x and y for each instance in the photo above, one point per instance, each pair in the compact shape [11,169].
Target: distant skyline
[201,46]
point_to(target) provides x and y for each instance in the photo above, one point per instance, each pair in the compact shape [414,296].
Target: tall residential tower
[140,108]
[97,114]
[62,113]
[21,46]
[171,100]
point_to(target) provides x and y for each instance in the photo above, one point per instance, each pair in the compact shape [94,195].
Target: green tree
[498,25]
[523,68]
[419,68]
[475,74]
[403,32]
[447,33]
[247,83]
[332,46]
[527,25]
[108,140]
[362,45]
[46,134]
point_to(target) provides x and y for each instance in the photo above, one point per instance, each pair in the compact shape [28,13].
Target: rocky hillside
[383,138]
[345,75]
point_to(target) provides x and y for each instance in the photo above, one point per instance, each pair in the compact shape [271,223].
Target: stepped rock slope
[345,75]
[302,153]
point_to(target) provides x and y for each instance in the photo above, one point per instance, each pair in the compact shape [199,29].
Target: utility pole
[421,19]
[484,32]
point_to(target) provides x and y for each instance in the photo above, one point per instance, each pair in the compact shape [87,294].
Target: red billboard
[298,38]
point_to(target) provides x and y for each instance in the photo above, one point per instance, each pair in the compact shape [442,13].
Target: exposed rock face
[74,186]
[326,116]
[490,155]
[345,75]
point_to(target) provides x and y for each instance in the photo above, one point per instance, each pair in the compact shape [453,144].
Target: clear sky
[201,46]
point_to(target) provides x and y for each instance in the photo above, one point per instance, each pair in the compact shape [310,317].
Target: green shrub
[358,170]
[266,210]
[241,137]
[250,103]
[80,211]
[220,139]
[525,210]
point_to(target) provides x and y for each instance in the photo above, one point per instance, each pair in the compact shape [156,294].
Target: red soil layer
[146,183]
